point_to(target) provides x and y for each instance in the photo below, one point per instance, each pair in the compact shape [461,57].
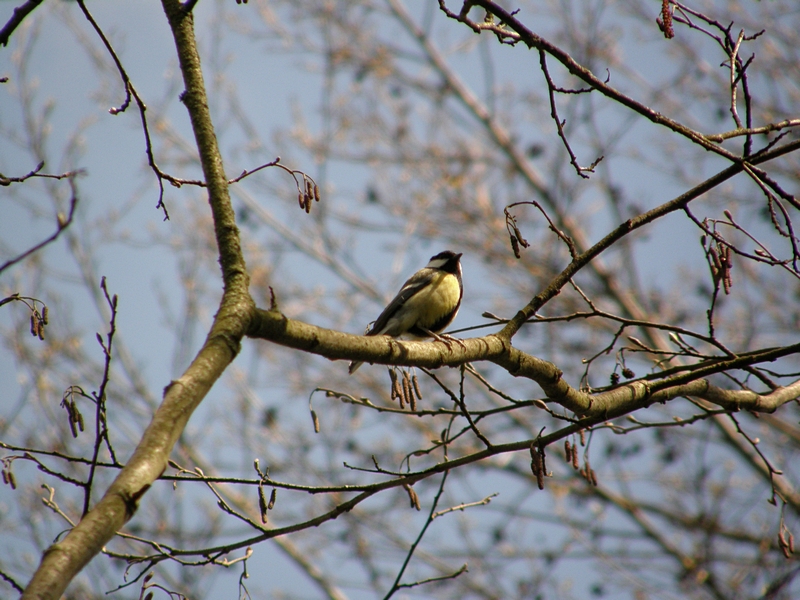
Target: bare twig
[396,585]
[101,422]
[130,91]
[16,19]
[552,89]
[62,222]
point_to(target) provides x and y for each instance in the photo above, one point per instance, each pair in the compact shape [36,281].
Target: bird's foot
[447,340]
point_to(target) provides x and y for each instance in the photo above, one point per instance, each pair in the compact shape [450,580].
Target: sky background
[67,71]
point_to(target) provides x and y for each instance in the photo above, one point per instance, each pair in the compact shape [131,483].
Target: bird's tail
[354,366]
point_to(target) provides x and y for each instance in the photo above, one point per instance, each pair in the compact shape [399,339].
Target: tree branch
[64,559]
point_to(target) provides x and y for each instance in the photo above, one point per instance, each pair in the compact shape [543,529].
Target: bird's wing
[414,284]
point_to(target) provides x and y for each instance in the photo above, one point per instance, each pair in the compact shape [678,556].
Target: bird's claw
[447,340]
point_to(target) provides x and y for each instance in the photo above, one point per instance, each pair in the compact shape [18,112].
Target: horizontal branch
[274,326]
[742,131]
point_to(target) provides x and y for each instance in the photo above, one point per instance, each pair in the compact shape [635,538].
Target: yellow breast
[435,302]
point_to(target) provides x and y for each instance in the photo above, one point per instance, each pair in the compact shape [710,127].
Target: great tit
[425,305]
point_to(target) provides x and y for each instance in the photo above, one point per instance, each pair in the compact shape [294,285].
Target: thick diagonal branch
[63,560]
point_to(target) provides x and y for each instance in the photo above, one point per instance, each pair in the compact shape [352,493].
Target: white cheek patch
[437,263]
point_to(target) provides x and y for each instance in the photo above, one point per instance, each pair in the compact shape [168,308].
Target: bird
[427,303]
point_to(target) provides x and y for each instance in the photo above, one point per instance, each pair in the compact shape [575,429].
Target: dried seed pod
[415,383]
[783,544]
[408,395]
[301,200]
[408,388]
[40,329]
[33,325]
[628,373]
[272,497]
[614,378]
[593,477]
[712,252]
[583,437]
[412,497]
[544,461]
[522,241]
[262,504]
[664,21]
[316,192]
[575,464]
[399,395]
[12,481]
[77,416]
[727,280]
[44,314]
[315,419]
[568,451]
[5,477]
[537,466]
[534,465]
[515,246]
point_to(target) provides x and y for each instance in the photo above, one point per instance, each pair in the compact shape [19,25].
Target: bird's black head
[446,261]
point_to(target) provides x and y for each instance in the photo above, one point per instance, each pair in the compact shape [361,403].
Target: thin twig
[410,553]
[62,223]
[16,19]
